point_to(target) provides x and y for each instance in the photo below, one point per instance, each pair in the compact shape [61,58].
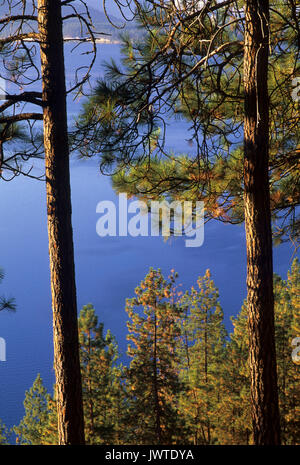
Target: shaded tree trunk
[66,346]
[264,396]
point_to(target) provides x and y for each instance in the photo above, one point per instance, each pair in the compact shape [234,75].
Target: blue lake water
[108,269]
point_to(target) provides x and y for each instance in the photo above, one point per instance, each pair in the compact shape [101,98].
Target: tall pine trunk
[264,396]
[66,346]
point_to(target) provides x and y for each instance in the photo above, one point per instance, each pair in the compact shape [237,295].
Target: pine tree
[103,392]
[235,425]
[61,252]
[293,283]
[235,409]
[102,388]
[32,426]
[152,377]
[186,383]
[202,356]
[50,432]
[41,22]
[286,322]
[3,434]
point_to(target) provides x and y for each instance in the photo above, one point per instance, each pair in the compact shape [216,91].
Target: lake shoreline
[98,41]
[83,39]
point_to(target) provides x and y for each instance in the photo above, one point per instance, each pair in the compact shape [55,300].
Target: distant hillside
[72,27]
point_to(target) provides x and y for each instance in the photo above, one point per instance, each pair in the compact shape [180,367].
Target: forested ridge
[187,380]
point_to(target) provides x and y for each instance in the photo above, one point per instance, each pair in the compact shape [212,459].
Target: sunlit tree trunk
[265,412]
[66,347]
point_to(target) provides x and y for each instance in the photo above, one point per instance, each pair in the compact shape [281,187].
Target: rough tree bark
[66,347]
[265,411]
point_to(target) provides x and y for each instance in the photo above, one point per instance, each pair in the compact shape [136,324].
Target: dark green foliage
[32,427]
[101,380]
[3,434]
[202,358]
